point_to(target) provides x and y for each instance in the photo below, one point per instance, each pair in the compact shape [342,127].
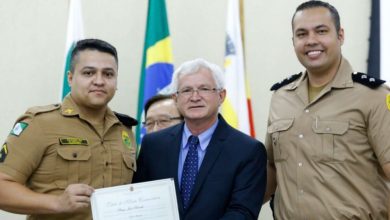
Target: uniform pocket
[278,131]
[330,132]
[128,169]
[73,165]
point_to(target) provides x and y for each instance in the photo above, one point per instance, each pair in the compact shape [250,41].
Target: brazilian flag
[157,67]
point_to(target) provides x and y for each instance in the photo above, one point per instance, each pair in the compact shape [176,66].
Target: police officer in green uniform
[56,155]
[328,130]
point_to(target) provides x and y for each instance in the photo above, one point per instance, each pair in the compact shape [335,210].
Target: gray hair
[193,66]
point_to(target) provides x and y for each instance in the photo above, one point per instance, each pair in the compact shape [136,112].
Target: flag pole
[242,25]
[249,103]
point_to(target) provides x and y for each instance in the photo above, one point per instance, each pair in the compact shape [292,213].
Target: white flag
[236,109]
[75,32]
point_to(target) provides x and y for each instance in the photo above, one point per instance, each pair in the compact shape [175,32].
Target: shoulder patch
[286,81]
[126,139]
[388,101]
[126,120]
[41,109]
[19,128]
[367,80]
[3,152]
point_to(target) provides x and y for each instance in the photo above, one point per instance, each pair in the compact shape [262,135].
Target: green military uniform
[329,153]
[53,146]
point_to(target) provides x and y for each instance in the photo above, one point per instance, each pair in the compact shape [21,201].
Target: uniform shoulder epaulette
[42,109]
[286,81]
[367,80]
[126,120]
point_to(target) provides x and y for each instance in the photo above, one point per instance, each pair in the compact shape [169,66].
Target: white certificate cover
[147,200]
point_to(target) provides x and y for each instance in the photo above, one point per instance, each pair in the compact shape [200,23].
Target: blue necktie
[190,170]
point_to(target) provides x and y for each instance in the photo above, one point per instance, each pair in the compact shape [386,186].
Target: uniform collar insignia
[286,81]
[126,120]
[68,111]
[367,80]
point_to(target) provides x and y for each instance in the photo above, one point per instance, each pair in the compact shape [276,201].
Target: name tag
[73,141]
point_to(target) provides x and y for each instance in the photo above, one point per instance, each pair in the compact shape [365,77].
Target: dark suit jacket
[231,180]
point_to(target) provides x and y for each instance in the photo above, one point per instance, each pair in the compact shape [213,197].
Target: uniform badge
[388,101]
[126,139]
[3,152]
[19,128]
[73,141]
[68,111]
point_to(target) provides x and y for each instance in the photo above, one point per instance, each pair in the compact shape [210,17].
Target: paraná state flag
[75,32]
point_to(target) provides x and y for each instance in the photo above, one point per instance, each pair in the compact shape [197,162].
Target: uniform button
[328,129]
[300,136]
[301,191]
[74,155]
[106,163]
[307,110]
[101,142]
[300,164]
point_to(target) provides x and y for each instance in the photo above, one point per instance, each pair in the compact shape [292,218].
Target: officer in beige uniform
[328,130]
[56,155]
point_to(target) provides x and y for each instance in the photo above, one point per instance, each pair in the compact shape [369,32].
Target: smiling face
[164,111]
[94,80]
[199,107]
[316,41]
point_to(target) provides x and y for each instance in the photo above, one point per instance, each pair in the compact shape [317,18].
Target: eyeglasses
[202,91]
[162,122]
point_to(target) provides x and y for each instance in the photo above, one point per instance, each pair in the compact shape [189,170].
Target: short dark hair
[315,4]
[91,44]
[154,99]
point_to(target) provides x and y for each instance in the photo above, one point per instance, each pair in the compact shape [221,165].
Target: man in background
[161,112]
[56,155]
[328,129]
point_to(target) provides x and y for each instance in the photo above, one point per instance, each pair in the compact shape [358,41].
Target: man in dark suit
[219,172]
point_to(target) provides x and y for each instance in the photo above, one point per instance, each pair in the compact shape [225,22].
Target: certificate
[147,200]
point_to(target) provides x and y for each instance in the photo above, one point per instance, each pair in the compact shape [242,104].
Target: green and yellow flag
[157,67]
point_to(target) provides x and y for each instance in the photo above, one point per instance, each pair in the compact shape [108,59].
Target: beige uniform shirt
[53,146]
[328,154]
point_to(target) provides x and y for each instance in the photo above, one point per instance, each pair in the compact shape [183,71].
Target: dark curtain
[374,61]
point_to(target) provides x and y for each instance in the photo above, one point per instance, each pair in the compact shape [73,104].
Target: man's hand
[75,198]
